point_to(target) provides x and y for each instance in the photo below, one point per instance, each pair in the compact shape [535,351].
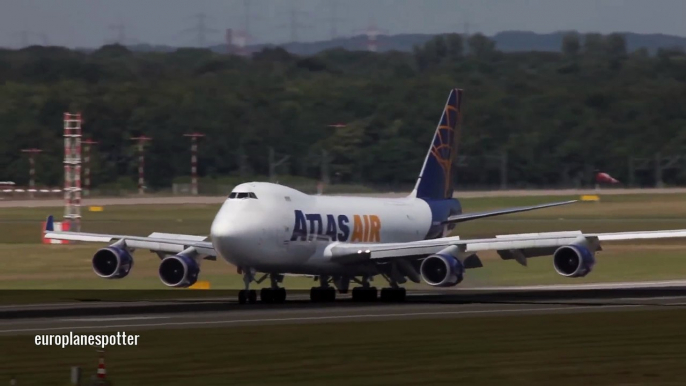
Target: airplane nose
[222,228]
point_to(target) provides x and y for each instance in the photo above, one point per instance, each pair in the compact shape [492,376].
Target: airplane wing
[156,242]
[516,246]
[473,216]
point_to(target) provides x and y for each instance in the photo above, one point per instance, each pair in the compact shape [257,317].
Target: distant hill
[506,41]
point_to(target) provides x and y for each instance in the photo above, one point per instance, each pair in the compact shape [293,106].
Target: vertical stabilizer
[436,178]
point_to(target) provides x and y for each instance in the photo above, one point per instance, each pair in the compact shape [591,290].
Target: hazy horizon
[92,23]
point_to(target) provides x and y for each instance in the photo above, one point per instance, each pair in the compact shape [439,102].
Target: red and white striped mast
[32,169]
[194,161]
[102,372]
[72,170]
[141,161]
[87,165]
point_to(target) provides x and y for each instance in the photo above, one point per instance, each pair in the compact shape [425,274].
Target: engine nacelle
[179,271]
[573,261]
[112,262]
[442,270]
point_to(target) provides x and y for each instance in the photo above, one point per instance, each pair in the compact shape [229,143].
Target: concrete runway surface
[495,302]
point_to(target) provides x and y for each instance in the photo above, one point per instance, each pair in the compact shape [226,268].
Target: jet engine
[573,261]
[442,269]
[112,262]
[179,271]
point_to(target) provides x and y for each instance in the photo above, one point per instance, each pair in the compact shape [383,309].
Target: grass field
[617,348]
[27,264]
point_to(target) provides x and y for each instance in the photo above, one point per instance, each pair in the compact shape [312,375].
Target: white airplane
[275,230]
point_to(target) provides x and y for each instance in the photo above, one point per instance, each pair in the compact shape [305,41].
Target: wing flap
[618,236]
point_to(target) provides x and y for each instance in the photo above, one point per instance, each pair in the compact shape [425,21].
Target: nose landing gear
[247,295]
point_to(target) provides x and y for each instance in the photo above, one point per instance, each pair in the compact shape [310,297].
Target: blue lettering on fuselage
[312,224]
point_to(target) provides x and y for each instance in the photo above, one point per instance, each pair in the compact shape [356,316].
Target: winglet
[50,224]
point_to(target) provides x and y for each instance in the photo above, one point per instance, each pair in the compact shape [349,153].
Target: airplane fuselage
[279,229]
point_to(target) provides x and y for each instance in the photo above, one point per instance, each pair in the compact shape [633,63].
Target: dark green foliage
[557,115]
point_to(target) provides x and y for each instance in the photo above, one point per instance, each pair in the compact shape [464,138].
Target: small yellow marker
[201,285]
[590,198]
[95,208]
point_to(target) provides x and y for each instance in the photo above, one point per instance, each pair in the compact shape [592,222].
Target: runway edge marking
[319,318]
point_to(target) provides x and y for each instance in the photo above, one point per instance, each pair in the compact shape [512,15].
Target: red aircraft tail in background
[604,178]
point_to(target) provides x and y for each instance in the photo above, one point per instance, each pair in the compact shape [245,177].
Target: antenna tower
[72,170]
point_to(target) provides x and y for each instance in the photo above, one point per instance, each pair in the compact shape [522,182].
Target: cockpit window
[242,195]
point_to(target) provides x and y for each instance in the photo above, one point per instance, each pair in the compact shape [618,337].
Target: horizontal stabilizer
[473,216]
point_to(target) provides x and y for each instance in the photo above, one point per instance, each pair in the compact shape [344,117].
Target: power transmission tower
[120,32]
[294,24]
[334,19]
[247,17]
[121,36]
[201,30]
[24,37]
[274,164]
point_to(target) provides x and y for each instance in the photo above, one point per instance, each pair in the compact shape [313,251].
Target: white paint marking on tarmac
[324,318]
[114,319]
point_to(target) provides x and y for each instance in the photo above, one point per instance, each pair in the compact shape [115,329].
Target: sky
[92,23]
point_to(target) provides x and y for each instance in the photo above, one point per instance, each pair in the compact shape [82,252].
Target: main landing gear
[323,293]
[273,294]
[367,293]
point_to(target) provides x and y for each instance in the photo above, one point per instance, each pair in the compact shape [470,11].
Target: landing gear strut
[323,293]
[247,295]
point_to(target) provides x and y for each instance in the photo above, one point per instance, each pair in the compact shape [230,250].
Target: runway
[203,313]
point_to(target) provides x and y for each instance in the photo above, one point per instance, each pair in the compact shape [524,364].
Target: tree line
[557,116]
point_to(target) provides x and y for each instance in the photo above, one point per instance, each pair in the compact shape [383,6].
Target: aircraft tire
[395,295]
[315,295]
[252,297]
[242,299]
[361,294]
[322,295]
[372,294]
[267,295]
[280,295]
[330,294]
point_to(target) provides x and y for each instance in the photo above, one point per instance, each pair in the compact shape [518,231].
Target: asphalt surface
[496,302]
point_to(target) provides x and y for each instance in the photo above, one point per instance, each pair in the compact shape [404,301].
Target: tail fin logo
[443,147]
[436,180]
